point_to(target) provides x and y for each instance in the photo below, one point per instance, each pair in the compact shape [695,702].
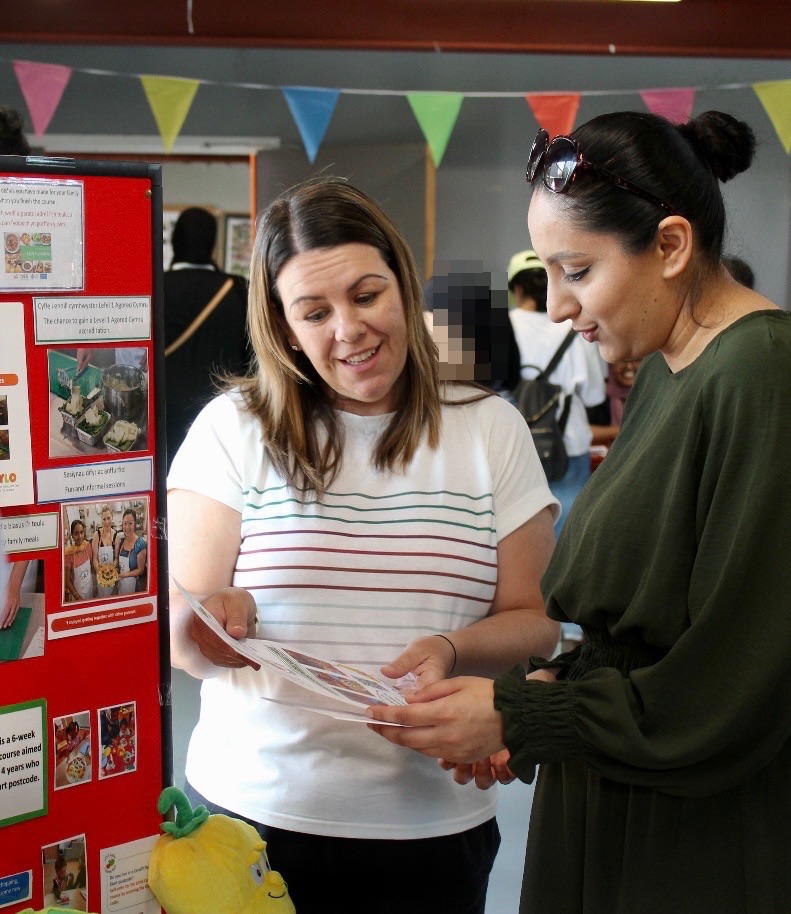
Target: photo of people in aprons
[130,550]
[78,566]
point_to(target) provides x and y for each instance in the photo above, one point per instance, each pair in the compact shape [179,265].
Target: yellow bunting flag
[555,113]
[170,100]
[776,98]
[436,112]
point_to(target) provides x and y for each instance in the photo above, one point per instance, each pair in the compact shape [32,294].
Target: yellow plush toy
[212,864]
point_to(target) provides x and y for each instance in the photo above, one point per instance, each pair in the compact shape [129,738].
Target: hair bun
[725,144]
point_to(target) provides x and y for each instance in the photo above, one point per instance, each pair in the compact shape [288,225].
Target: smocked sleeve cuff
[537,721]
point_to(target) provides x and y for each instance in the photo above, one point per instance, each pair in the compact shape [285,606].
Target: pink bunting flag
[42,85]
[555,113]
[674,104]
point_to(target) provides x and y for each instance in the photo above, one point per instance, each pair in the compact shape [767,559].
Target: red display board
[84,679]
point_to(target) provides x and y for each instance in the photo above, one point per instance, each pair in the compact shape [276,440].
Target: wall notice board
[85,742]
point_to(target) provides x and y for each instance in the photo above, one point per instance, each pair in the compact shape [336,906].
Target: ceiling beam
[707,28]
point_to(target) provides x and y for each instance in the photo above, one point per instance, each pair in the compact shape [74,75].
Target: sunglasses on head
[560,161]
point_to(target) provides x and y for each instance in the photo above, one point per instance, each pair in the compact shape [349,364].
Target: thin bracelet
[453,648]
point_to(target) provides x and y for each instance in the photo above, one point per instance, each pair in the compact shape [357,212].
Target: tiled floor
[515,800]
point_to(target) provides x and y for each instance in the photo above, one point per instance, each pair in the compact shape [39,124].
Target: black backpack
[537,400]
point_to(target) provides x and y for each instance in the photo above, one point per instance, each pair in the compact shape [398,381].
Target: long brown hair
[285,391]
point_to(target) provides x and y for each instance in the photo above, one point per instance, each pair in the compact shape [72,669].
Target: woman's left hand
[454,720]
[428,659]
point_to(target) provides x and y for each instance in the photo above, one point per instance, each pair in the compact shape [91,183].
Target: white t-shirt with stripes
[381,559]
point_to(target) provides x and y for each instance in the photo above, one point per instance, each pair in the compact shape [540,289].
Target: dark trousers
[445,875]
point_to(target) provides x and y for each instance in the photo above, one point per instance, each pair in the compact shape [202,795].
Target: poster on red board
[84,670]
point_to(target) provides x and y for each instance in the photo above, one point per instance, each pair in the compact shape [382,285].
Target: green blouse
[679,549]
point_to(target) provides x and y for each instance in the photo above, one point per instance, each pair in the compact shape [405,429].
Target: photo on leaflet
[105,549]
[21,610]
[118,728]
[98,401]
[65,875]
[72,749]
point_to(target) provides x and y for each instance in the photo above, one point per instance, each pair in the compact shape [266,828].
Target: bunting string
[312,107]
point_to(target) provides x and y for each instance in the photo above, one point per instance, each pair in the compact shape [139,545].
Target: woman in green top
[665,739]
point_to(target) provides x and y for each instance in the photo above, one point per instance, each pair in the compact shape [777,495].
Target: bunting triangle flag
[42,85]
[170,99]
[436,113]
[776,99]
[312,110]
[555,113]
[674,104]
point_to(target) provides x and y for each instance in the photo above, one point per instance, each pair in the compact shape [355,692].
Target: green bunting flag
[436,113]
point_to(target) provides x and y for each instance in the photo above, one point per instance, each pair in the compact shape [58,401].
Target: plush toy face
[219,868]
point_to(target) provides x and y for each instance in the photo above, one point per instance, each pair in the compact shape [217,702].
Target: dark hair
[193,236]
[680,164]
[74,524]
[740,270]
[533,284]
[286,392]
[130,511]
[461,297]
[12,139]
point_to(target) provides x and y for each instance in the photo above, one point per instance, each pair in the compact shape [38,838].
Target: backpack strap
[564,416]
[555,360]
[224,289]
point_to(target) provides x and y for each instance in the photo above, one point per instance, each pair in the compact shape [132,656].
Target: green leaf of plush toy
[187,818]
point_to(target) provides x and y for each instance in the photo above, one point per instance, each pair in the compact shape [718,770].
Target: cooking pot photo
[123,391]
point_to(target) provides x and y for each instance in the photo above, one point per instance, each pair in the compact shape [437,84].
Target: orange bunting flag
[555,113]
[776,99]
[436,112]
[674,104]
[42,85]
[170,99]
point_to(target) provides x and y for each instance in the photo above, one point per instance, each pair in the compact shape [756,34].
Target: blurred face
[107,519]
[128,525]
[78,534]
[613,297]
[344,310]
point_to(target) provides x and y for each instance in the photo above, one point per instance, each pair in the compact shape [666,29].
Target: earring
[295,348]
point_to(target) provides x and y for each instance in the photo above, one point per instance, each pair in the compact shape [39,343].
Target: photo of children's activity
[98,400]
[21,610]
[65,874]
[105,550]
[5,446]
[3,409]
[119,743]
[72,742]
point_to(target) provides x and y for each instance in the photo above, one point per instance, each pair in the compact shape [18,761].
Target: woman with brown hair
[355,505]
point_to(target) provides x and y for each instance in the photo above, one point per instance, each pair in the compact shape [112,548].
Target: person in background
[580,373]
[664,740]
[78,565]
[13,141]
[103,545]
[471,328]
[740,270]
[344,502]
[219,346]
[130,555]
[60,881]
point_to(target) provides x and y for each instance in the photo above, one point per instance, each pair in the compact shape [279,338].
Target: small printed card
[335,682]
